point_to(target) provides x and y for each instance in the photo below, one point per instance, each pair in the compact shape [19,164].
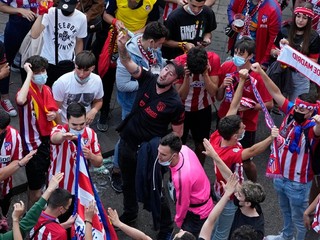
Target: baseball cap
[68,5]
[178,67]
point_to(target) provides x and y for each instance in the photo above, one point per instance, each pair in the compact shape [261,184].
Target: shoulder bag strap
[56,35]
[42,225]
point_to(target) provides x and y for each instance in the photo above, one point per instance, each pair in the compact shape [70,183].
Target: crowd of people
[167,85]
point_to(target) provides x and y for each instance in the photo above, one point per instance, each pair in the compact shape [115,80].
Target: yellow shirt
[134,19]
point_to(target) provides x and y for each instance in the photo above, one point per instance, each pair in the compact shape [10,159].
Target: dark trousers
[16,29]
[192,223]
[107,82]
[128,165]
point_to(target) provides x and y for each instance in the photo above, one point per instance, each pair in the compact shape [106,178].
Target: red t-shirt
[231,155]
[249,117]
[50,231]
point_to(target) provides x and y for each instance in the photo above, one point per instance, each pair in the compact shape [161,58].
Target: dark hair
[155,30]
[38,63]
[306,31]
[246,44]
[228,126]
[199,0]
[4,119]
[85,59]
[310,97]
[173,141]
[76,110]
[245,232]
[186,236]
[253,192]
[59,197]
[197,60]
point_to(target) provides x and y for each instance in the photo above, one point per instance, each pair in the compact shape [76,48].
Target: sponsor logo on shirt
[5,159]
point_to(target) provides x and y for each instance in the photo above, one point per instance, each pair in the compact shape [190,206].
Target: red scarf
[43,102]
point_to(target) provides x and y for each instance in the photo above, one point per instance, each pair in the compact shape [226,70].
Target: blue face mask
[76,132]
[238,61]
[166,163]
[83,81]
[40,79]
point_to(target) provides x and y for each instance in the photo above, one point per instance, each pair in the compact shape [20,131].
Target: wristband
[86,221]
[182,45]
[20,164]
[114,21]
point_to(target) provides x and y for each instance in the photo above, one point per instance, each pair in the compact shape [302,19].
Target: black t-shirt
[314,42]
[256,222]
[152,112]
[184,27]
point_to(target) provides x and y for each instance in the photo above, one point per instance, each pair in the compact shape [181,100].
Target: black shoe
[165,235]
[116,182]
[128,219]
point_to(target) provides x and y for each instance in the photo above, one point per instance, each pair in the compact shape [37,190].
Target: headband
[305,11]
[302,104]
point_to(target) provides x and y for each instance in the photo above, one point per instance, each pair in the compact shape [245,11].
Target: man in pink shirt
[193,199]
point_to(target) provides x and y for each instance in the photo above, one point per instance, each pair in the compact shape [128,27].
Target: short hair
[4,119]
[199,0]
[75,110]
[245,232]
[59,197]
[253,192]
[310,97]
[246,44]
[197,60]
[38,63]
[173,141]
[155,30]
[228,126]
[85,59]
[186,236]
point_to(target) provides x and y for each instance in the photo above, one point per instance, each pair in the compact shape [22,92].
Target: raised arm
[208,225]
[235,104]
[133,68]
[270,85]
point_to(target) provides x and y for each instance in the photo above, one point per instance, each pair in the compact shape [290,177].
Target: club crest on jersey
[7,146]
[161,106]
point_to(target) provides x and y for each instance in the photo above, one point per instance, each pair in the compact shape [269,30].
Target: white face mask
[166,163]
[241,136]
[76,132]
[192,13]
[83,81]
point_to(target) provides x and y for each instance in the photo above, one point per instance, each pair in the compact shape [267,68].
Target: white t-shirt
[67,90]
[69,28]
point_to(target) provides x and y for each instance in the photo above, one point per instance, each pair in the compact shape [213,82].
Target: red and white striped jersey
[294,166]
[11,149]
[168,8]
[231,155]
[316,218]
[29,127]
[63,156]
[198,97]
[50,231]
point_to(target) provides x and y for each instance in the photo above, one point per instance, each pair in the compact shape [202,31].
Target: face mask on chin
[192,13]
[240,137]
[166,163]
[83,81]
[76,132]
[66,13]
[299,117]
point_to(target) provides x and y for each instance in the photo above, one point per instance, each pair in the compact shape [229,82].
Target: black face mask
[163,85]
[298,117]
[236,202]
[66,13]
